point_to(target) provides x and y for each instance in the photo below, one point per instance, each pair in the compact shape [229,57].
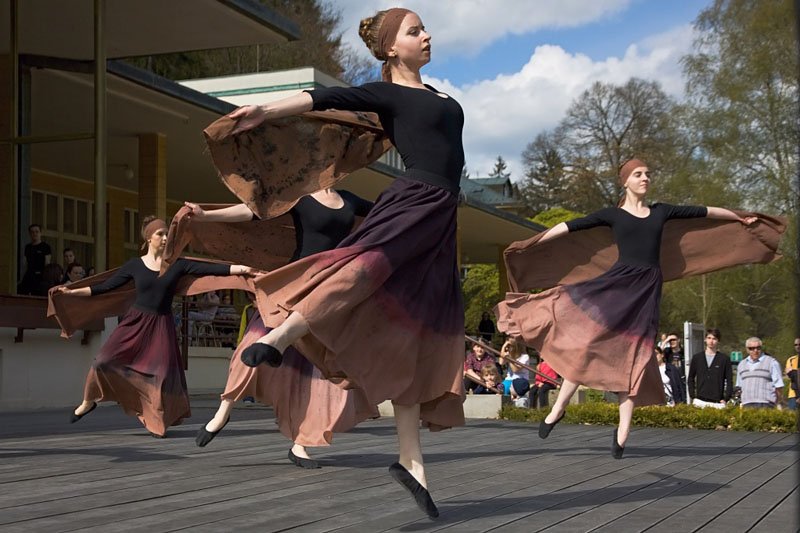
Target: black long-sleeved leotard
[424,125]
[638,239]
[154,293]
[319,227]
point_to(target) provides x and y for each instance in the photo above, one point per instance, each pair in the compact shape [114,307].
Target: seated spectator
[486,327]
[74,273]
[473,365]
[68,258]
[671,379]
[544,382]
[37,255]
[516,383]
[90,271]
[491,377]
[207,307]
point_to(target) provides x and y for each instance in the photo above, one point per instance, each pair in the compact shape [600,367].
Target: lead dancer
[393,282]
[308,408]
[601,333]
[139,366]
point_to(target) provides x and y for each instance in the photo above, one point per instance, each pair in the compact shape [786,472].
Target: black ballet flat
[204,436]
[74,418]
[302,462]
[157,436]
[545,428]
[420,494]
[258,353]
[616,449]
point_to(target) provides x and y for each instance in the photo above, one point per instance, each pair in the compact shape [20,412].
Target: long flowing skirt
[309,409]
[385,309]
[599,333]
[140,368]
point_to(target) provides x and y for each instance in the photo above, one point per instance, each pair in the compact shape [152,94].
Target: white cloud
[505,113]
[465,27]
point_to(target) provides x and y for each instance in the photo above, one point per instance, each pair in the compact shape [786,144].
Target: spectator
[474,364]
[491,377]
[671,378]
[792,374]
[544,382]
[248,313]
[74,273]
[207,307]
[759,376]
[673,353]
[37,255]
[516,383]
[710,373]
[486,327]
[90,271]
[68,257]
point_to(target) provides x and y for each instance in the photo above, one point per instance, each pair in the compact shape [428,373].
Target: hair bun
[368,31]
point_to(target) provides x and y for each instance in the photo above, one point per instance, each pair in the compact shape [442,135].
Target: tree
[481,290]
[320,46]
[499,170]
[554,216]
[742,83]
[545,184]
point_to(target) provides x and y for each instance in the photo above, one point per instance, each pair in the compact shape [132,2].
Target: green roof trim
[267,89]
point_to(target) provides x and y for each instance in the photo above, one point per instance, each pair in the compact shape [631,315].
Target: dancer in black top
[139,366]
[393,282]
[308,408]
[601,333]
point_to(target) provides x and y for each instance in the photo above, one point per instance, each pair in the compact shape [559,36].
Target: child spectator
[491,377]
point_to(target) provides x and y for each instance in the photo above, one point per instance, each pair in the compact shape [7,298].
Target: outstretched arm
[250,116]
[234,213]
[726,214]
[83,291]
[553,233]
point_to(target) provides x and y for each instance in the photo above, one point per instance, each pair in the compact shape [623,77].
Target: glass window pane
[83,218]
[69,215]
[37,208]
[127,216]
[136,228]
[51,216]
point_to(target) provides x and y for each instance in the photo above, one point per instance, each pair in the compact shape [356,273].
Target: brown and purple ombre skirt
[599,333]
[385,309]
[140,368]
[309,409]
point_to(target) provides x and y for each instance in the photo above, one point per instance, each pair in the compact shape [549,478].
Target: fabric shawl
[77,312]
[688,247]
[273,165]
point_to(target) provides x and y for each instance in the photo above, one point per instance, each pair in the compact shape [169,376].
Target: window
[66,222]
[132,237]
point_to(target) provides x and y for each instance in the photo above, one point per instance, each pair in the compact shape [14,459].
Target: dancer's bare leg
[300,451]
[84,407]
[284,335]
[568,389]
[406,418]
[625,416]
[222,414]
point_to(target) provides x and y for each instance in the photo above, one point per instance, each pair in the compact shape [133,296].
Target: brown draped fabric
[688,247]
[275,164]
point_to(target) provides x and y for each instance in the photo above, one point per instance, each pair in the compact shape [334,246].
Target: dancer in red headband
[139,366]
[600,332]
[393,283]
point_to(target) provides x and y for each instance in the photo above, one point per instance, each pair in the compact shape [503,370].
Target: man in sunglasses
[794,379]
[759,376]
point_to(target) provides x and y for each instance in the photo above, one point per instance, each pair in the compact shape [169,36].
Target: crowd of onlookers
[712,379]
[41,272]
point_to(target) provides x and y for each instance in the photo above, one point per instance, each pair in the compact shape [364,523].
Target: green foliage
[681,416]
[481,289]
[554,216]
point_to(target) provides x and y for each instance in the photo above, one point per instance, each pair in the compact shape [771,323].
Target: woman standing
[394,282]
[308,408]
[601,332]
[139,366]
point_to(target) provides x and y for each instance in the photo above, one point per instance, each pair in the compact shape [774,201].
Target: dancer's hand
[248,117]
[62,289]
[748,220]
[195,211]
[242,270]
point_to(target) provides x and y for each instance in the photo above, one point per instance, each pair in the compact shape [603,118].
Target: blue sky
[517,65]
[608,36]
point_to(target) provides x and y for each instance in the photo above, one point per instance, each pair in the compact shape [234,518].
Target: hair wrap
[628,168]
[387,35]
